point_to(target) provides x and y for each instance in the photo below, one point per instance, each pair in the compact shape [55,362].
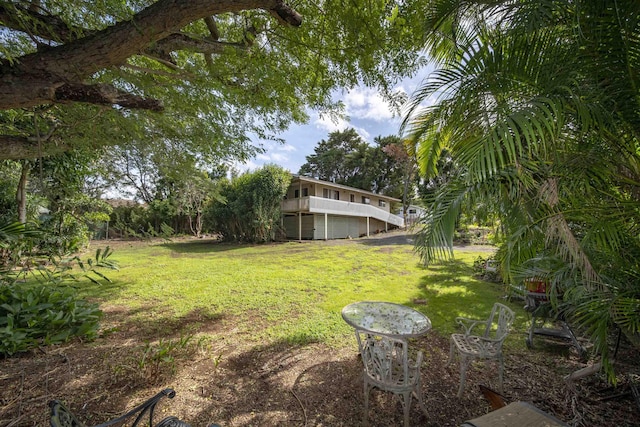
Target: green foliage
[260,77]
[43,315]
[175,192]
[135,221]
[156,358]
[487,269]
[57,199]
[37,305]
[251,208]
[538,112]
[9,177]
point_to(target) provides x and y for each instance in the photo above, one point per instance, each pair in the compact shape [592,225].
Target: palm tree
[539,108]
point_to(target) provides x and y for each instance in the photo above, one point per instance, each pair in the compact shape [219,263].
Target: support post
[326,226]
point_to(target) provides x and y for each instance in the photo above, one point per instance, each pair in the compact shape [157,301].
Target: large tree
[334,159]
[95,73]
[539,109]
[345,158]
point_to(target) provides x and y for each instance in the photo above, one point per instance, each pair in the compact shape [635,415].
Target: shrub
[37,307]
[43,315]
[251,210]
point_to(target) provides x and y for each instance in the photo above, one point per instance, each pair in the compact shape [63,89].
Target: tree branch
[35,79]
[19,148]
[181,41]
[213,28]
[55,29]
[103,94]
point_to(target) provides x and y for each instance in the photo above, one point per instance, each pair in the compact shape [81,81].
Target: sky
[367,113]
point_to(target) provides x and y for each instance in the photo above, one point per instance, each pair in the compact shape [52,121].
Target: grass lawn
[251,335]
[293,292]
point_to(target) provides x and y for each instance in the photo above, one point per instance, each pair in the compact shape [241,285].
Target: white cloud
[331,124]
[328,125]
[275,153]
[355,98]
[363,133]
[247,166]
[278,158]
[274,156]
[287,148]
[366,103]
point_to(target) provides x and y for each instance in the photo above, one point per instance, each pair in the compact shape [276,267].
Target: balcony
[321,205]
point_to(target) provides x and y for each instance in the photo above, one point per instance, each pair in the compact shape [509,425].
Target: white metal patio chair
[486,345]
[389,367]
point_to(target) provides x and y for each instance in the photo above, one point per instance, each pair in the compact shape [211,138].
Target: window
[330,194]
[352,198]
[382,203]
[296,194]
[366,200]
[305,192]
[412,211]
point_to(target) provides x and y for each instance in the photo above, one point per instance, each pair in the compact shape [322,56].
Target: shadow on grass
[207,246]
[383,239]
[99,380]
[280,384]
[103,290]
[449,291]
[141,329]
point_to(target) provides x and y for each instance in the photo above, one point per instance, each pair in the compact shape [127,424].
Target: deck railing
[314,204]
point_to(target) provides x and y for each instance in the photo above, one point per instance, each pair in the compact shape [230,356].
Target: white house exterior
[414,213]
[321,210]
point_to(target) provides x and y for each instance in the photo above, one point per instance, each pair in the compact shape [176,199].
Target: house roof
[343,187]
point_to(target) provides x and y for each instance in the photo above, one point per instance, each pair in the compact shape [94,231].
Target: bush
[251,210]
[37,307]
[43,315]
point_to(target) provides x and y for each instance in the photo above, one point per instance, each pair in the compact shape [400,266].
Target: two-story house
[314,209]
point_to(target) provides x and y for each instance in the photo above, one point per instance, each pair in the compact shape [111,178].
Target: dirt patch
[234,383]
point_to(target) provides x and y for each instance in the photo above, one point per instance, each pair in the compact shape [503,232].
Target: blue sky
[367,113]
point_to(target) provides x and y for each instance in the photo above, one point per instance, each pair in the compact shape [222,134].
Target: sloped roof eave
[344,187]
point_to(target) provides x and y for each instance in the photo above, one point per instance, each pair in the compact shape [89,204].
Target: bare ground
[236,383]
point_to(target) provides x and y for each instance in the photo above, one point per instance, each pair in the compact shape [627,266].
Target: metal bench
[61,416]
[538,304]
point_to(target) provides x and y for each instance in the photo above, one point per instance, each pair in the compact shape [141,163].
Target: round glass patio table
[386,318]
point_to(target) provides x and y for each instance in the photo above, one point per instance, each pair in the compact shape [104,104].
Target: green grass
[290,292]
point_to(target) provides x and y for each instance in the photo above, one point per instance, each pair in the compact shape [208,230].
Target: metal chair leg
[451,350]
[406,403]
[464,362]
[367,390]
[501,373]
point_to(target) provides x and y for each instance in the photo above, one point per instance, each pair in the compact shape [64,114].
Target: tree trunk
[21,193]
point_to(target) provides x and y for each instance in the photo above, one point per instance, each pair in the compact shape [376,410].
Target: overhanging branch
[103,94]
[57,74]
[181,41]
[19,148]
